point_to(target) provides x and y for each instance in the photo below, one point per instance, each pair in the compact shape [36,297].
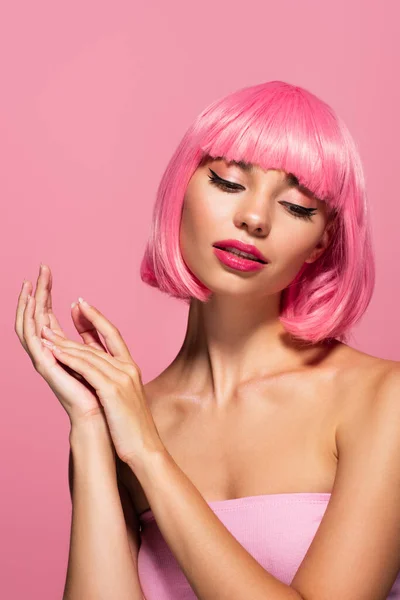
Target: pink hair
[281,126]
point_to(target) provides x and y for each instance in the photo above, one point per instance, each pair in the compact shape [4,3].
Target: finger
[41,316]
[98,372]
[60,338]
[34,346]
[86,329]
[53,322]
[26,289]
[113,339]
[66,344]
[30,341]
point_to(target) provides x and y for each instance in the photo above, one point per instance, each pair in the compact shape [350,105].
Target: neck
[232,341]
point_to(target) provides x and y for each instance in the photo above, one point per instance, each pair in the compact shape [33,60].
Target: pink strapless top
[276,529]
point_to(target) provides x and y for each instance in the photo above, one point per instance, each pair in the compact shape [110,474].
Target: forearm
[100,565]
[213,561]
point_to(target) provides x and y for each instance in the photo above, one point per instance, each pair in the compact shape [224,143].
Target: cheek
[200,226]
[293,239]
[198,220]
[295,250]
[184,234]
[189,226]
[192,230]
[291,251]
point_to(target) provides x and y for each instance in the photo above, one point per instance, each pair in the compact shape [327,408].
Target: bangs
[280,128]
[276,125]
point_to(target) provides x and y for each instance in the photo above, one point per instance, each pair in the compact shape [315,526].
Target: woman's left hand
[117,380]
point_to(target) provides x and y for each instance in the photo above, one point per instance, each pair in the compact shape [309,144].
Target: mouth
[240,254]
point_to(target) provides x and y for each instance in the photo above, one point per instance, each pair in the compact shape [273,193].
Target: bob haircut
[276,125]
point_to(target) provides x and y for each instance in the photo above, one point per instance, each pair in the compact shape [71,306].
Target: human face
[259,209]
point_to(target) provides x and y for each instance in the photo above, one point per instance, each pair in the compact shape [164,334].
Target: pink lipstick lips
[238,255]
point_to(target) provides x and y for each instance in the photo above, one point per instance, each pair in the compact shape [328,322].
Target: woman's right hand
[77,397]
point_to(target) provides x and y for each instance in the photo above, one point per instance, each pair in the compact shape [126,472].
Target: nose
[252,218]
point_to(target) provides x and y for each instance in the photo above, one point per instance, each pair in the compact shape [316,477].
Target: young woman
[264,461]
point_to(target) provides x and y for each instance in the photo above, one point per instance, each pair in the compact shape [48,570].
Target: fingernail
[47,343]
[73,304]
[48,331]
[82,301]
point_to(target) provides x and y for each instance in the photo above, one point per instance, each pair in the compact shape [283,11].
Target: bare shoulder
[358,362]
[362,378]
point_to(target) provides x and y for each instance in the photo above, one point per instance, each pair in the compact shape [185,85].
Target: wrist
[147,466]
[91,444]
[93,426]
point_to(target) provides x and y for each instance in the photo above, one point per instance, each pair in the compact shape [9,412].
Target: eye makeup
[230,187]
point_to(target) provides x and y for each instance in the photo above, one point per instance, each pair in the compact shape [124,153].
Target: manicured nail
[73,305]
[82,301]
[47,330]
[47,343]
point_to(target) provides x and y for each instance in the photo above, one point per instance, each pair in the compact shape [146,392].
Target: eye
[294,209]
[225,185]
[299,211]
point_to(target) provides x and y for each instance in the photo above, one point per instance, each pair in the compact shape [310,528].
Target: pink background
[95,98]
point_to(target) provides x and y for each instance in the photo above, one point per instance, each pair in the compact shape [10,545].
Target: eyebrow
[290,179]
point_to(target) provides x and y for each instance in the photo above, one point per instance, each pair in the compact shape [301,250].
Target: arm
[103,550]
[355,552]
[213,561]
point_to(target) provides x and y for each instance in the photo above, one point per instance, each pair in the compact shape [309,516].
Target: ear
[322,244]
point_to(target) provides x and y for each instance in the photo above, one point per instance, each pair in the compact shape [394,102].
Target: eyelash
[301,212]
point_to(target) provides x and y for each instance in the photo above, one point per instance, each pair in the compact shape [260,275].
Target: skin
[75,394]
[237,336]
[240,416]
[236,366]
[240,388]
